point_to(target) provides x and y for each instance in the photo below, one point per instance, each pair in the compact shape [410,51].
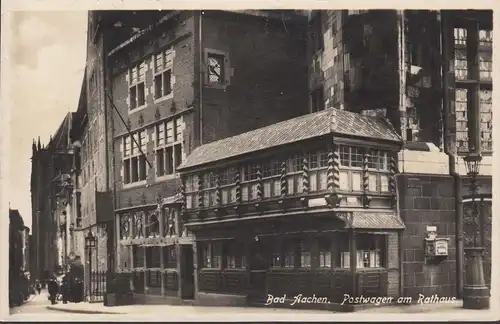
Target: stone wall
[426,200]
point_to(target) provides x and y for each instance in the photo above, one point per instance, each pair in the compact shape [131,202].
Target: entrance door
[259,264]
[187,269]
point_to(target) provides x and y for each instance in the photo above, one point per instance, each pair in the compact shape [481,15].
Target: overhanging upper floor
[331,159]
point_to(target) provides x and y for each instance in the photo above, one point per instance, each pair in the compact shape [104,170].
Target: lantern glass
[90,240]
[472,163]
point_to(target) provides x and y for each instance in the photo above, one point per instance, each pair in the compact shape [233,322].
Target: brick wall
[179,35]
[330,59]
[268,61]
[427,200]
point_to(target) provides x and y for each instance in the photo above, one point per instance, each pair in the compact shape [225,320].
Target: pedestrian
[65,289]
[38,287]
[53,288]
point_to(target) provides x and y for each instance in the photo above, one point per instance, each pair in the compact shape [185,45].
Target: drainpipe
[200,103]
[452,158]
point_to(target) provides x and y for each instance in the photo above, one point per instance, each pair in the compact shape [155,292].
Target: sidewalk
[447,311]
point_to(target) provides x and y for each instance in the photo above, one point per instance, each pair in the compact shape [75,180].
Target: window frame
[131,154]
[135,84]
[166,67]
[163,146]
[471,43]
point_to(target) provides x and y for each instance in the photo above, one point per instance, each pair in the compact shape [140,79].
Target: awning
[371,219]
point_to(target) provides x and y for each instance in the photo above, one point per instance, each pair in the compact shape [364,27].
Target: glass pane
[142,71]
[384,183]
[170,132]
[485,65]
[485,104]
[461,119]
[373,182]
[344,180]
[244,193]
[323,180]
[313,185]
[161,134]
[158,62]
[357,178]
[267,188]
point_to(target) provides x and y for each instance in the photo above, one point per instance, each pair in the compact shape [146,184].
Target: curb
[81,311]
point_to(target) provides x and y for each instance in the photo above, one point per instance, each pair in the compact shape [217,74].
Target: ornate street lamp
[476,294]
[90,243]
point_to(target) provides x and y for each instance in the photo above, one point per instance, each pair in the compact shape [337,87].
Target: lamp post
[476,294]
[90,243]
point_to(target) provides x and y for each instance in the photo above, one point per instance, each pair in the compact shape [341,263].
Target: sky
[48,60]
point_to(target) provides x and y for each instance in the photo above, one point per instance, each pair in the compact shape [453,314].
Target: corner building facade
[187,80]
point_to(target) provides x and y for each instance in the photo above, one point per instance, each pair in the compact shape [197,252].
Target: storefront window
[234,254]
[211,254]
[325,254]
[370,252]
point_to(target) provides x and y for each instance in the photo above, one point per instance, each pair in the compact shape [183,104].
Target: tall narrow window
[137,95]
[473,47]
[163,74]
[168,150]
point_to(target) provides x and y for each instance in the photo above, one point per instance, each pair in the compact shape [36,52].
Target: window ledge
[164,98]
[135,184]
[137,109]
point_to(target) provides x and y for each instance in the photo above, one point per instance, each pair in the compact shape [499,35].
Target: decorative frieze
[332,172]
[366,180]
[237,182]
[393,169]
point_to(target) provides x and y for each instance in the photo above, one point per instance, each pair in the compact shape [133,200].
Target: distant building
[51,166]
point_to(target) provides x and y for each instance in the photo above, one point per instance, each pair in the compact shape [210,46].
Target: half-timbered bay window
[249,184]
[235,255]
[134,161]
[227,187]
[271,183]
[318,163]
[211,254]
[170,257]
[163,74]
[473,47]
[168,146]
[191,189]
[137,88]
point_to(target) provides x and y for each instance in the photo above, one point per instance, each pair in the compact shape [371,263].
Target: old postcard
[294,162]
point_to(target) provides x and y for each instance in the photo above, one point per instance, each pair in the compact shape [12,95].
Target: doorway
[259,265]
[187,270]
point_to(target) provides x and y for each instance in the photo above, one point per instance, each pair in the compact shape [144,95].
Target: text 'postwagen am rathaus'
[223,156]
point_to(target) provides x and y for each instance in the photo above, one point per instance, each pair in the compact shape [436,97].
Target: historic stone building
[384,64]
[51,167]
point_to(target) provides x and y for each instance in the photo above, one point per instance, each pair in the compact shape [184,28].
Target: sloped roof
[293,130]
[60,141]
[16,220]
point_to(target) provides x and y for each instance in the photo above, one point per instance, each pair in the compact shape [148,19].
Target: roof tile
[293,130]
